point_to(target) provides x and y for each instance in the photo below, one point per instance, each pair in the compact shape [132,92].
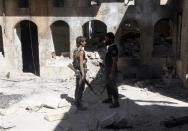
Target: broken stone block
[93,122]
[121,124]
[176,122]
[97,55]
[171,82]
[7,125]
[56,115]
[96,63]
[94,3]
[64,103]
[139,84]
[109,120]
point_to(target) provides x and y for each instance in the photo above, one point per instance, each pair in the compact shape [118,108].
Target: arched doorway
[130,39]
[129,51]
[28,36]
[162,43]
[61,38]
[163,53]
[94,31]
[1,43]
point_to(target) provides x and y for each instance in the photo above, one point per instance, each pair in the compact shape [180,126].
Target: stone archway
[130,48]
[162,42]
[130,39]
[163,56]
[28,35]
[94,31]
[61,38]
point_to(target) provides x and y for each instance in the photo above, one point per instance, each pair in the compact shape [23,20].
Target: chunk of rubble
[114,121]
[56,115]
[109,120]
[64,103]
[7,125]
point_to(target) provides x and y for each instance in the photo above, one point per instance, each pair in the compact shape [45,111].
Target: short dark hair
[110,35]
[80,39]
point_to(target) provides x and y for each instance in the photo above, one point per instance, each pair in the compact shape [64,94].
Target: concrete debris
[109,120]
[114,121]
[142,84]
[94,3]
[7,125]
[93,55]
[7,100]
[93,124]
[51,104]
[66,129]
[37,108]
[121,124]
[64,103]
[172,82]
[56,115]
[176,122]
[95,62]
[8,75]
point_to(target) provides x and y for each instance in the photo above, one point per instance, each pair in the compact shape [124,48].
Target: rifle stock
[86,81]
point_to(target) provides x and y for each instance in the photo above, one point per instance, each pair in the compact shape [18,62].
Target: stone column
[75,31]
[12,46]
[146,34]
[44,39]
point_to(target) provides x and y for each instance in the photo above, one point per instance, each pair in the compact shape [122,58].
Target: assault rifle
[86,81]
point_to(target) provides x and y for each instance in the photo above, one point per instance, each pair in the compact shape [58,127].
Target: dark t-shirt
[112,51]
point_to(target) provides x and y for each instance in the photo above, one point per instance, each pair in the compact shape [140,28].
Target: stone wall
[182,62]
[41,12]
[75,13]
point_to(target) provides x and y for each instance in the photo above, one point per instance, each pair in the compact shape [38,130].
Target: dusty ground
[144,108]
[27,100]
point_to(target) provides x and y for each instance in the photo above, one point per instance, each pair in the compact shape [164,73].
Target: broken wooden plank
[176,122]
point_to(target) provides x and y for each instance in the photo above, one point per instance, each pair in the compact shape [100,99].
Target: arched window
[61,38]
[162,43]
[23,4]
[95,32]
[58,3]
[130,39]
[27,33]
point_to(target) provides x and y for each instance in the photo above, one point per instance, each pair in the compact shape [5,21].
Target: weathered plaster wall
[147,13]
[76,13]
[182,63]
[43,14]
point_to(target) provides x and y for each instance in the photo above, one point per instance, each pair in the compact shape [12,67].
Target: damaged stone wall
[146,13]
[75,13]
[136,43]
[182,61]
